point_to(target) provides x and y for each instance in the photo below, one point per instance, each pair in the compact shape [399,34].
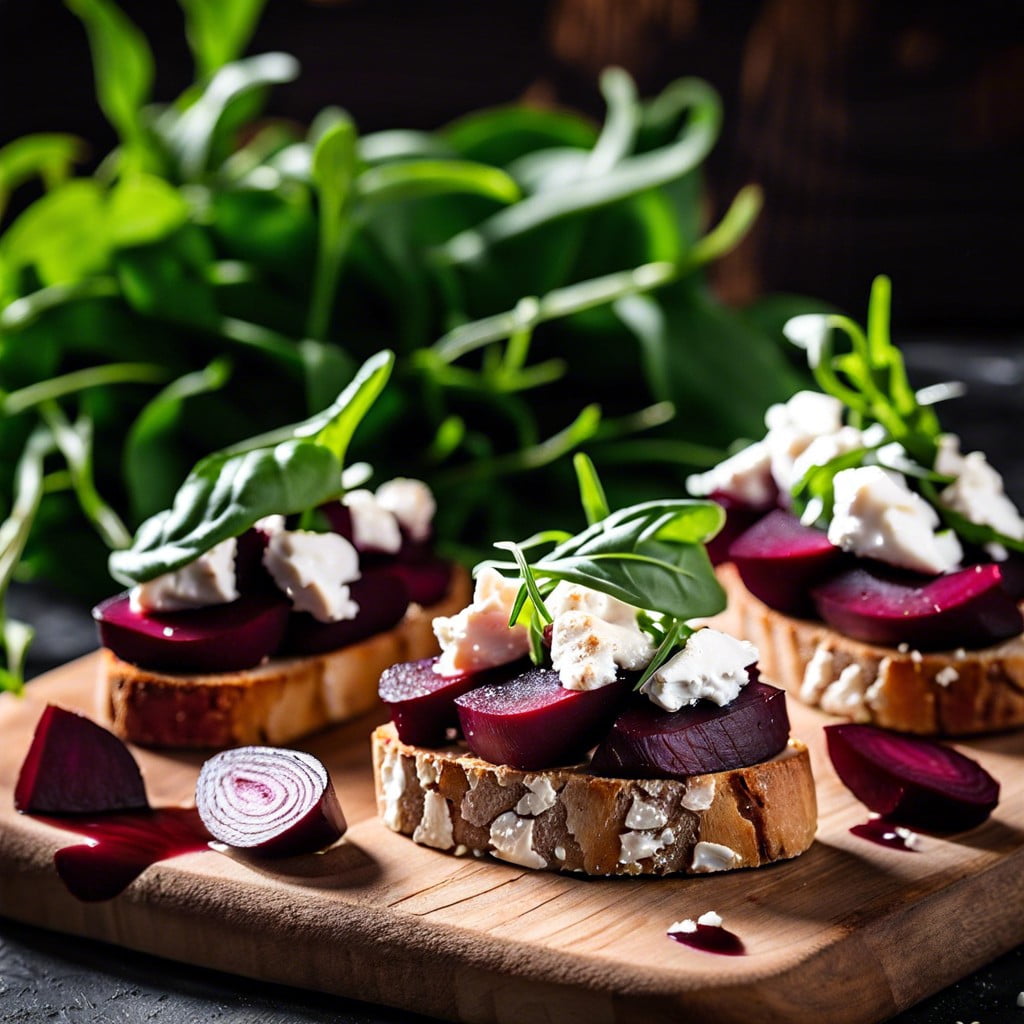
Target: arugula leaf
[218,32]
[973,533]
[592,496]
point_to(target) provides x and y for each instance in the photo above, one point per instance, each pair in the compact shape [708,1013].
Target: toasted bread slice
[947,693]
[276,702]
[566,820]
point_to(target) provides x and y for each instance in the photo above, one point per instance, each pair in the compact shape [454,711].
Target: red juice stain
[711,938]
[887,833]
[121,846]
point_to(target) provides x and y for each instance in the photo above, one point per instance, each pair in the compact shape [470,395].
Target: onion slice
[270,801]
[910,780]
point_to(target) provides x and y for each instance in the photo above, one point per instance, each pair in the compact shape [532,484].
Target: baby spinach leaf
[415,179]
[501,134]
[48,155]
[219,32]
[142,209]
[592,496]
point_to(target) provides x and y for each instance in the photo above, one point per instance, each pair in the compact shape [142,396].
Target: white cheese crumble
[637,846]
[700,793]
[688,926]
[708,857]
[559,852]
[314,570]
[512,839]
[946,676]
[793,425]
[478,637]
[587,651]
[712,666]
[270,524]
[977,492]
[208,580]
[411,503]
[435,827]
[392,786]
[745,477]
[644,815]
[825,448]
[818,673]
[540,797]
[374,528]
[846,696]
[876,515]
[426,770]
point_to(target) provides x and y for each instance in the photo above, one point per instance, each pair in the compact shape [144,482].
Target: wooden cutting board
[849,932]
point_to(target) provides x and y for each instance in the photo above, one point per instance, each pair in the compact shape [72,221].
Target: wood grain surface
[847,932]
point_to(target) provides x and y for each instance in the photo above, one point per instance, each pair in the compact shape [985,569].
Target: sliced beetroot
[222,638]
[75,766]
[427,580]
[779,560]
[969,608]
[533,722]
[739,517]
[382,600]
[270,801]
[422,702]
[910,780]
[645,742]
[249,569]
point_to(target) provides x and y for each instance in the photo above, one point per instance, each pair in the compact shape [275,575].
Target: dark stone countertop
[48,976]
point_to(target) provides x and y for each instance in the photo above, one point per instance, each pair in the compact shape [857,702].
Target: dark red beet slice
[779,560]
[646,742]
[738,518]
[249,569]
[422,702]
[427,580]
[969,608]
[911,780]
[533,722]
[222,638]
[75,766]
[382,600]
[270,801]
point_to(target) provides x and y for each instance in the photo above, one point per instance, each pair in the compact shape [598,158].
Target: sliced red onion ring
[270,801]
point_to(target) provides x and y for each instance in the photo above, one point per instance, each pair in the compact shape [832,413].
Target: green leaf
[144,209]
[415,179]
[402,144]
[152,454]
[592,496]
[47,155]
[219,31]
[63,234]
[222,497]
[500,135]
[122,65]
[17,636]
[973,533]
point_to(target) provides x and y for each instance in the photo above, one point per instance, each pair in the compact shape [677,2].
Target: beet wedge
[223,638]
[779,559]
[75,766]
[969,608]
[910,780]
[270,801]
[646,742]
[382,598]
[533,722]
[739,518]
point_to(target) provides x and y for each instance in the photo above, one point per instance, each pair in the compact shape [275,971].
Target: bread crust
[276,702]
[942,693]
[566,820]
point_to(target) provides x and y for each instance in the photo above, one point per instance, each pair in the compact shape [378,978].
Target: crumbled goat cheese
[314,570]
[876,515]
[792,427]
[270,524]
[512,839]
[392,786]
[208,580]
[540,796]
[847,694]
[411,503]
[977,494]
[435,827]
[700,793]
[745,477]
[819,672]
[644,815]
[374,528]
[708,857]
[572,597]
[712,666]
[587,651]
[946,676]
[710,919]
[637,846]
[825,448]
[478,637]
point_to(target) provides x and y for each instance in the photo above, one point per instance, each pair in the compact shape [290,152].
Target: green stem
[95,376]
[329,261]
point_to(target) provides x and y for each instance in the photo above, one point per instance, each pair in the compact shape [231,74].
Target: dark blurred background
[888,136]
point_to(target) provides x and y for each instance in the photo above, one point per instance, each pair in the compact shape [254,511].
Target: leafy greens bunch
[540,279]
[650,555]
[870,379]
